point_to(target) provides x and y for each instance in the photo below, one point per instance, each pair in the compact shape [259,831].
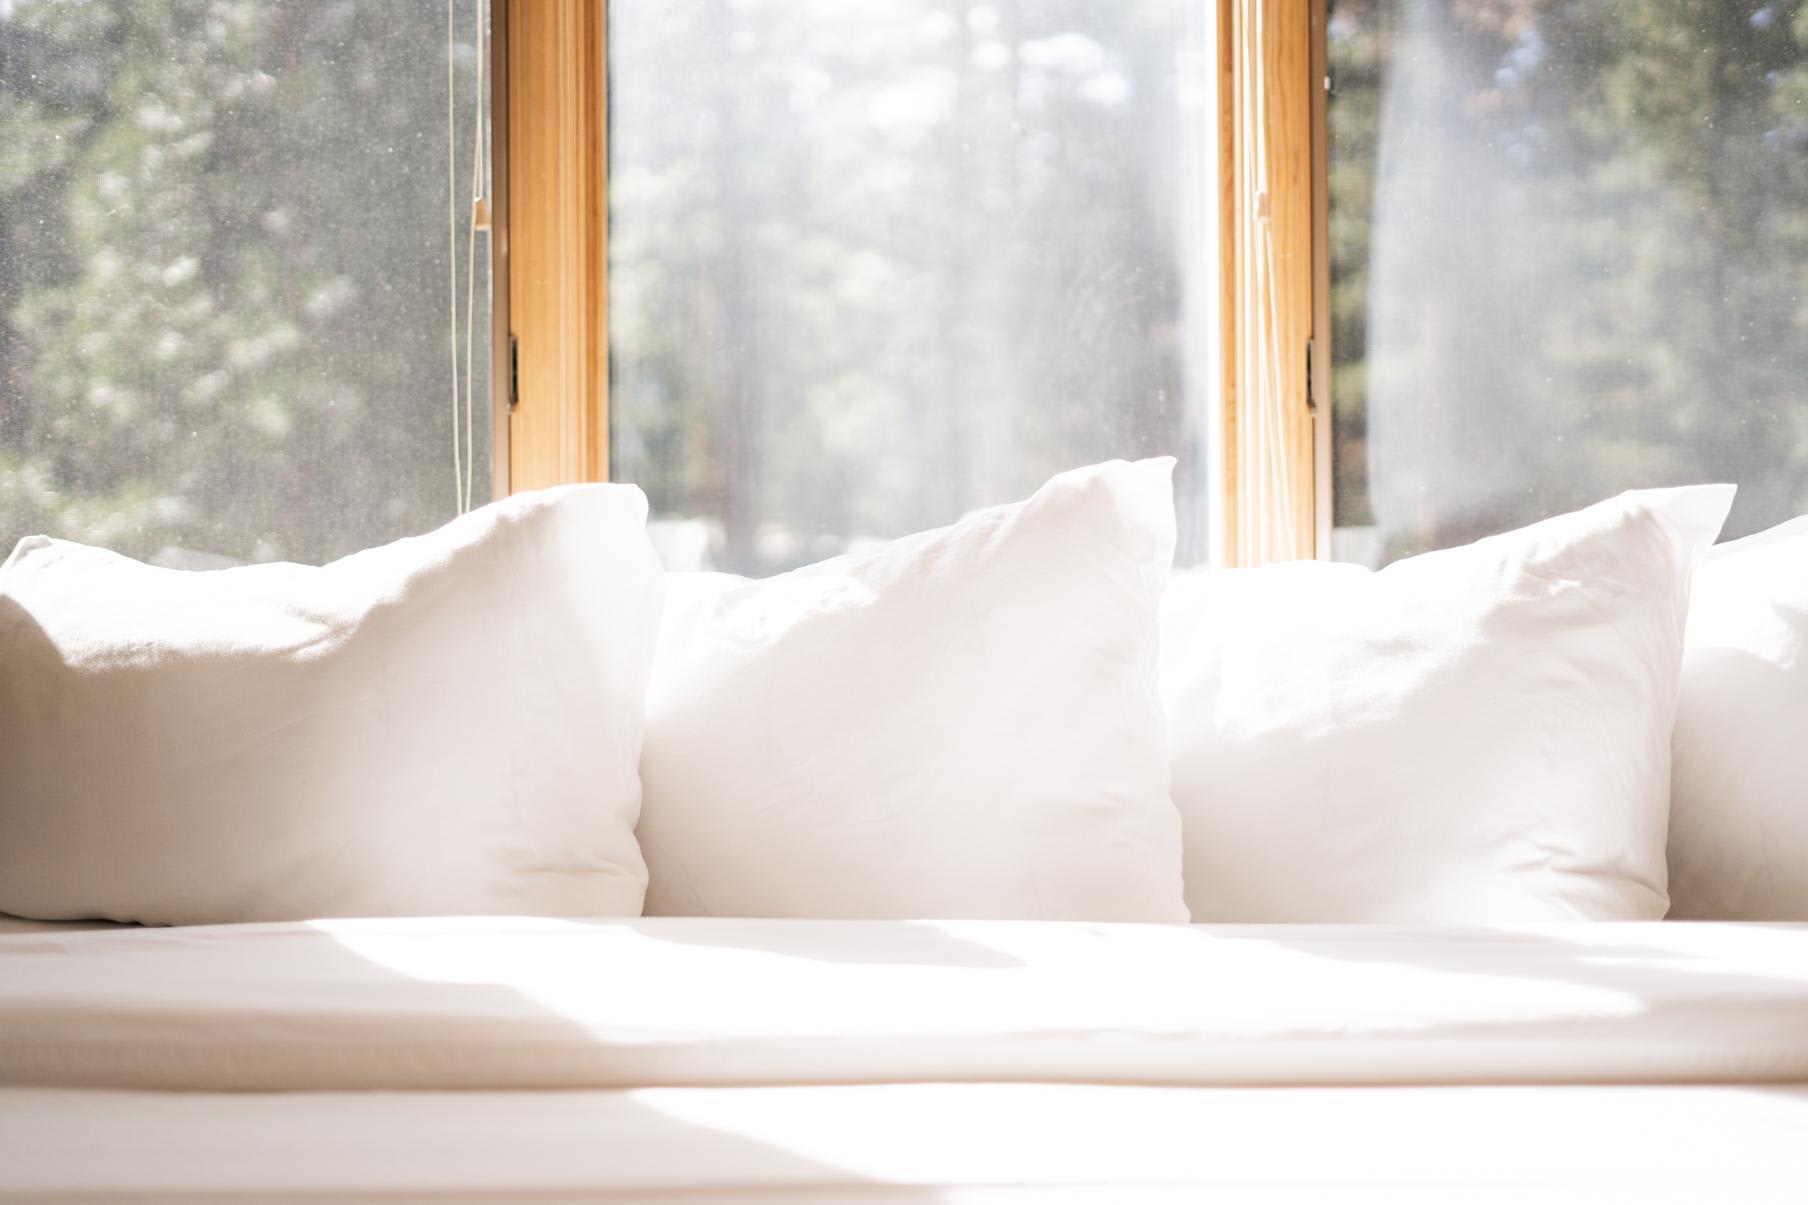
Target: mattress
[754,1060]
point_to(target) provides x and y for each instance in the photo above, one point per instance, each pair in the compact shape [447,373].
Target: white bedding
[917,1142]
[513,1003]
[763,1060]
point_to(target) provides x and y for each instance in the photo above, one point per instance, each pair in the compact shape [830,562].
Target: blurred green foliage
[1569,244]
[224,323]
[875,264]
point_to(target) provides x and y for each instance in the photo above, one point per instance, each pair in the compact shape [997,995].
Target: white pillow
[1739,799]
[963,723]
[1475,735]
[448,724]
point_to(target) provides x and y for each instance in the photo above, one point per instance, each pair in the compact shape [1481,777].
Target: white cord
[470,465]
[458,472]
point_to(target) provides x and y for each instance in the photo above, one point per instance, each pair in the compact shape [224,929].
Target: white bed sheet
[916,1142]
[719,1061]
[511,1003]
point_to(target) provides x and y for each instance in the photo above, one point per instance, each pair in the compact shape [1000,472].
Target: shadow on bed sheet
[284,1141]
[386,1146]
[908,943]
[1645,974]
[1486,950]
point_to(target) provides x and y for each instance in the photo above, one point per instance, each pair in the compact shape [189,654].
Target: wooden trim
[558,431]
[1226,549]
[552,262]
[500,367]
[1320,84]
[1266,165]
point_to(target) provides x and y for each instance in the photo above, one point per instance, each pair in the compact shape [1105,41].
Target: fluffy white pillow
[1739,798]
[448,724]
[1475,735]
[963,723]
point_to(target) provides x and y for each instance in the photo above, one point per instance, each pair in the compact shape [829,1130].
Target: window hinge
[1311,396]
[514,388]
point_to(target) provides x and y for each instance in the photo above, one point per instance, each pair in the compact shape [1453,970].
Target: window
[239,274]
[873,265]
[1569,255]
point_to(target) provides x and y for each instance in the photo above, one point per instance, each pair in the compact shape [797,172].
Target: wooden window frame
[1323,397]
[549,244]
[550,264]
[502,359]
[1275,428]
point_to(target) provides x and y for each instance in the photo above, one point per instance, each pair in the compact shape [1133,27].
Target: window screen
[1569,255]
[237,270]
[873,265]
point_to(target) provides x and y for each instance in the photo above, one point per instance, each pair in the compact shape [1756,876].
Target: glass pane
[1569,256]
[226,292]
[873,265]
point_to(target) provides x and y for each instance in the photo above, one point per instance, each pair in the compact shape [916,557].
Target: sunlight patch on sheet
[827,978]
